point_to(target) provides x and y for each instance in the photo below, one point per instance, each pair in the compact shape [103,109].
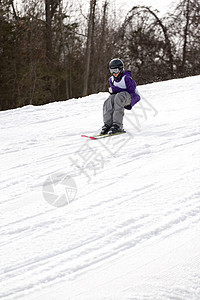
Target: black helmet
[116,65]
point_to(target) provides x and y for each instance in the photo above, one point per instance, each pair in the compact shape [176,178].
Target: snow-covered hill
[130,228]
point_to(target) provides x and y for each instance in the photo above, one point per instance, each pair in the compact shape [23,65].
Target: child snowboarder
[122,96]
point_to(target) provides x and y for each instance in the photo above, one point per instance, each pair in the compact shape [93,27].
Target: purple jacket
[125,83]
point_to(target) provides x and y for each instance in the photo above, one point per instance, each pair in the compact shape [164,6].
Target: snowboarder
[122,96]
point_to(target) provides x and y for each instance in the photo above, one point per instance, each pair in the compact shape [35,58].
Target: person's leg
[108,109]
[120,101]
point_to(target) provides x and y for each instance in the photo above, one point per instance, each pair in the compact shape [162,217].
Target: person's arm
[131,87]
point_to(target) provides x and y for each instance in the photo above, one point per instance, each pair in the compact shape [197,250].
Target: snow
[129,224]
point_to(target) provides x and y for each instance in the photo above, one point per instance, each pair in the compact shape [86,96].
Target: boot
[105,129]
[115,129]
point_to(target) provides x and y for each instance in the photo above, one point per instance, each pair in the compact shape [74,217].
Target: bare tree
[90,36]
[145,22]
[101,44]
[184,26]
[185,37]
[50,9]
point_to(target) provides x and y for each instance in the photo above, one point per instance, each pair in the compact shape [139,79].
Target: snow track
[132,232]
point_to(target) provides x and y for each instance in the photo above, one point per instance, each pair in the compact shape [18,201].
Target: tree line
[47,55]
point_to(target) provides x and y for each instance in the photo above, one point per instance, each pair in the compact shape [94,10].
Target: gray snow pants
[113,108]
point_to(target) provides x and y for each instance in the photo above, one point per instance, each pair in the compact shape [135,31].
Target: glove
[110,90]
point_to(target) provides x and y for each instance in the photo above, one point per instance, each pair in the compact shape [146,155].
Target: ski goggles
[117,70]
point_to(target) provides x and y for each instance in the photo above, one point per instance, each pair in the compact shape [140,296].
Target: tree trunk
[185,35]
[99,83]
[48,30]
[64,52]
[89,45]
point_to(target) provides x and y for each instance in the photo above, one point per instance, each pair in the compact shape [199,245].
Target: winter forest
[53,50]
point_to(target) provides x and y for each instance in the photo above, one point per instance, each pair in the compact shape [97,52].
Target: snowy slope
[131,229]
